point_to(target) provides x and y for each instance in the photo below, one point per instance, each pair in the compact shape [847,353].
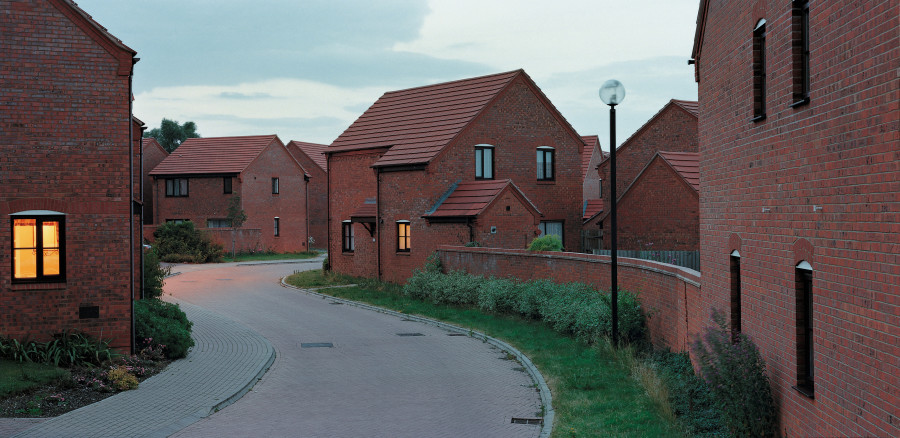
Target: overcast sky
[306,69]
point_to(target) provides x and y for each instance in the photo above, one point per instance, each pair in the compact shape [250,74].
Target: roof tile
[472,197]
[213,155]
[686,164]
[315,152]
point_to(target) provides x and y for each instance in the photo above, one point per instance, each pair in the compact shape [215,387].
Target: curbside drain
[410,334]
[316,345]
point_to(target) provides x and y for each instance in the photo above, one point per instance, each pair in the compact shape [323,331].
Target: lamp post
[612,92]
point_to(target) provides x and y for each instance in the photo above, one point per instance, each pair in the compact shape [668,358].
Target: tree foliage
[170,134]
[236,215]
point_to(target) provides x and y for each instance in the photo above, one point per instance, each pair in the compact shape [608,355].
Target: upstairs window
[759,71]
[484,161]
[226,185]
[545,163]
[177,187]
[347,244]
[800,51]
[274,186]
[402,236]
[38,250]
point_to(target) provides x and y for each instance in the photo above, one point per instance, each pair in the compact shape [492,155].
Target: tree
[170,134]
[235,217]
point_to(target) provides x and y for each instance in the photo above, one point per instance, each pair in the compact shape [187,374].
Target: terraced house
[70,176]
[800,201]
[486,160]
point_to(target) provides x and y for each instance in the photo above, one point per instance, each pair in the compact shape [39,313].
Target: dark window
[800,51]
[226,184]
[545,164]
[804,312]
[177,187]
[735,295]
[347,233]
[276,226]
[759,71]
[38,249]
[218,223]
[552,227]
[600,185]
[484,162]
[274,186]
[177,221]
[402,236]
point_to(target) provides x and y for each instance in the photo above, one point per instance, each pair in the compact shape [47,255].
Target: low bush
[691,401]
[182,243]
[67,349]
[121,378]
[549,242]
[736,375]
[158,323]
[154,275]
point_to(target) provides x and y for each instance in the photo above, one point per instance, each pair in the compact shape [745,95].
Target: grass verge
[17,377]
[594,393]
[263,256]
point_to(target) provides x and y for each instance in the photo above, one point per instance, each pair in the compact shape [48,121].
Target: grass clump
[17,377]
[251,256]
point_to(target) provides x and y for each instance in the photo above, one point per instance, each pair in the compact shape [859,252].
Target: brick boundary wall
[246,239]
[670,294]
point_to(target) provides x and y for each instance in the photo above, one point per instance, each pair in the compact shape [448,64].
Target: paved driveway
[371,381]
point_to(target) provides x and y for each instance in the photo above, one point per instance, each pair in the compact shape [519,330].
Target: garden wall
[245,239]
[668,293]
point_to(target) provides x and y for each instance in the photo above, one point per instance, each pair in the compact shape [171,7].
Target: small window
[177,187]
[276,226]
[804,315]
[484,161]
[403,236]
[226,185]
[274,186]
[552,228]
[759,71]
[800,51]
[177,221]
[347,244]
[38,249]
[545,163]
[600,187]
[735,295]
[218,223]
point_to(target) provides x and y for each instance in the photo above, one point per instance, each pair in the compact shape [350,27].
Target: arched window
[759,71]
[804,315]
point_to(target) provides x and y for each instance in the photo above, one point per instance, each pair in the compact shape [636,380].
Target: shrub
[736,375]
[122,379]
[179,243]
[691,401]
[157,322]
[550,242]
[154,275]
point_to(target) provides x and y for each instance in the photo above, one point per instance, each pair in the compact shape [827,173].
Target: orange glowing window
[402,236]
[37,248]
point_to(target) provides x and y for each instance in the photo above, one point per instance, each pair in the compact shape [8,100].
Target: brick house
[667,214]
[152,153]
[312,157]
[69,167]
[196,181]
[800,201]
[393,171]
[591,157]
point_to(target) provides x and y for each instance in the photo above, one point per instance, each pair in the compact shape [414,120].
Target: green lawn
[593,391]
[263,256]
[16,377]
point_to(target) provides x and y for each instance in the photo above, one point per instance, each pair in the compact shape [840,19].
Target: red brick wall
[668,293]
[826,173]
[672,130]
[152,156]
[516,227]
[591,186]
[318,198]
[206,200]
[64,146]
[659,212]
[351,180]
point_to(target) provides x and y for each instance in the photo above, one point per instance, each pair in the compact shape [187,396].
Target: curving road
[343,371]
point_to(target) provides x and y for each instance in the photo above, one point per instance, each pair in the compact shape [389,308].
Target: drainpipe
[378,220]
[306,179]
[131,204]
[328,210]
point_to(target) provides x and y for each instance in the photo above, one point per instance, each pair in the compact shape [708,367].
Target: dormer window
[484,161]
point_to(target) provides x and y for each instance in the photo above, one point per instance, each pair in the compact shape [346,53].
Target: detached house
[486,160]
[197,180]
[312,157]
[800,201]
[70,172]
[592,205]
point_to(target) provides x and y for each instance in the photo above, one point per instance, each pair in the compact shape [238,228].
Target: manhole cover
[410,334]
[527,420]
[316,345]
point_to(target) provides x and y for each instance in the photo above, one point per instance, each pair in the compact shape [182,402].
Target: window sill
[347,253]
[800,102]
[403,253]
[38,286]
[805,391]
[546,182]
[758,118]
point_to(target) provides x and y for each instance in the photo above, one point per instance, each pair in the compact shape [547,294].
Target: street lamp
[612,93]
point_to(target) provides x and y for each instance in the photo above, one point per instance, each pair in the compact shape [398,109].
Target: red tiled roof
[214,155]
[472,197]
[418,123]
[592,207]
[314,151]
[690,106]
[686,164]
[590,142]
[151,142]
[367,210]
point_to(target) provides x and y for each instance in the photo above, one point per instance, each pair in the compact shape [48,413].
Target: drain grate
[410,334]
[538,421]
[316,345]
[335,303]
[457,334]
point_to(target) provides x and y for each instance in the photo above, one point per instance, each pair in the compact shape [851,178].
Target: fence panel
[686,259]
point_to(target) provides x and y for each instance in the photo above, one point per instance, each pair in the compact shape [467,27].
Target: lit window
[38,248]
[276,226]
[274,186]
[551,228]
[759,71]
[177,187]
[403,236]
[347,233]
[545,163]
[804,315]
[800,50]
[484,161]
